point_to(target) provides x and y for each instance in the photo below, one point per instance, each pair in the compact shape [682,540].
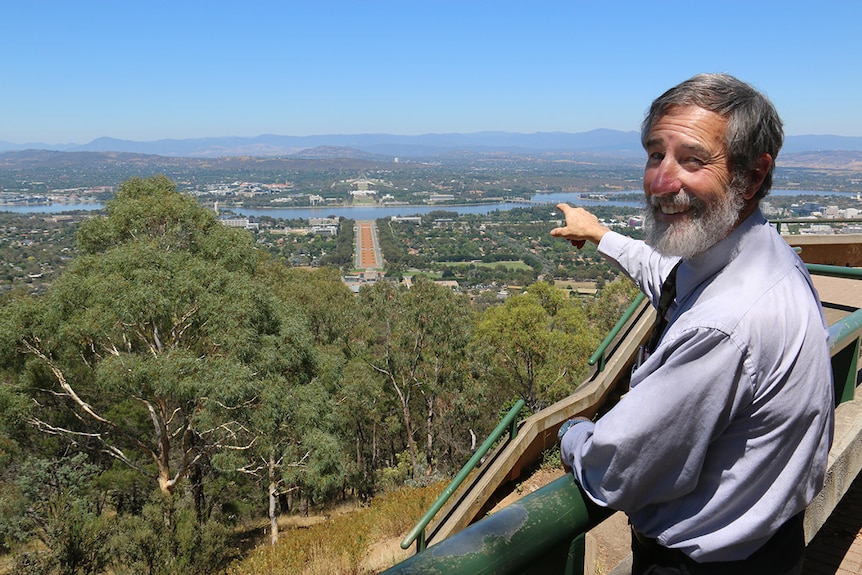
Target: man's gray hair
[753,125]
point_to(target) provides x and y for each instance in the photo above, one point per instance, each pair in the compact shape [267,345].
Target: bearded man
[722,440]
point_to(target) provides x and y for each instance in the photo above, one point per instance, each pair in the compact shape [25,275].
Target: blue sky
[72,71]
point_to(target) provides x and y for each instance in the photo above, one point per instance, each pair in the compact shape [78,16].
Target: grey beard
[694,236]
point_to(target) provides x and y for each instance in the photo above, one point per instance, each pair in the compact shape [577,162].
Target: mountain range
[603,141]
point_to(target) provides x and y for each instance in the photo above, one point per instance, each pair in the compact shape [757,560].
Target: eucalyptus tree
[298,449]
[536,345]
[417,341]
[153,346]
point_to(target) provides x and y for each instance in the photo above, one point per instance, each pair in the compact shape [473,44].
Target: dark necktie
[668,293]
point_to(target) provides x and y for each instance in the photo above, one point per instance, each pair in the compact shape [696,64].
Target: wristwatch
[567,425]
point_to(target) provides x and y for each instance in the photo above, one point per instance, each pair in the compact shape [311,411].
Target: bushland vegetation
[176,387]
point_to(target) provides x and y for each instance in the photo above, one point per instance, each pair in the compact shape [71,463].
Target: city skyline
[138,71]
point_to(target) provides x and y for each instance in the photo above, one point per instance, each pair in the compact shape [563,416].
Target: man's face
[691,204]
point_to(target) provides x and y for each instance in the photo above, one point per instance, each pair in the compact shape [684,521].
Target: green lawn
[512,265]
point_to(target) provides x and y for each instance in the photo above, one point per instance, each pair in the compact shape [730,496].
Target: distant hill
[812,143]
[610,142]
[31,162]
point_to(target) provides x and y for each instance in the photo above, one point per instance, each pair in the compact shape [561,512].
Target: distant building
[452,284]
[808,208]
[356,281]
[238,222]
[323,221]
[323,230]
[407,219]
[435,198]
[831,212]
[817,229]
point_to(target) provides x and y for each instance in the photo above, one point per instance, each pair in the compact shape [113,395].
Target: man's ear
[757,174]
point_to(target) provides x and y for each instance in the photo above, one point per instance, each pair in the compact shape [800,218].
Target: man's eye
[655,157]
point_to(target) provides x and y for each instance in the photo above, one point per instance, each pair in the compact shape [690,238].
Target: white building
[238,222]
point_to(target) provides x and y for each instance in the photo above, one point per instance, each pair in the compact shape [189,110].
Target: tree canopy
[152,347]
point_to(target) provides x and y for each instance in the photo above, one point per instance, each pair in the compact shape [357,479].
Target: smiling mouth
[680,203]
[671,209]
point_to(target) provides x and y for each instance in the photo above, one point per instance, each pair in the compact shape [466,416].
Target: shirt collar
[701,267]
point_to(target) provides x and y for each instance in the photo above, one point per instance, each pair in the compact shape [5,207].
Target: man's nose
[665,179]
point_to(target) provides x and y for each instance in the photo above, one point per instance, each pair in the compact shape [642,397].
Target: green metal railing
[846,339]
[778,223]
[835,271]
[599,355]
[508,423]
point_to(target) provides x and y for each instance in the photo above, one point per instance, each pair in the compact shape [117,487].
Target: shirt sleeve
[651,447]
[641,263]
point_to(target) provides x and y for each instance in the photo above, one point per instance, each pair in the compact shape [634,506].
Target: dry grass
[359,542]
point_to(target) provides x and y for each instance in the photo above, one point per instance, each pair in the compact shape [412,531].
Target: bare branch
[301,462]
[117,453]
[182,325]
[61,379]
[174,413]
[46,427]
[156,339]
[73,436]
[255,471]
[248,403]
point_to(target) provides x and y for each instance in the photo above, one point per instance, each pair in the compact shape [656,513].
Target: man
[722,440]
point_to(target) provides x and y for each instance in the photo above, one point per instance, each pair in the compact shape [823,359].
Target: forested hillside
[175,383]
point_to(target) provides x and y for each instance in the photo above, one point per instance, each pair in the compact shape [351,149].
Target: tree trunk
[273,499]
[196,480]
[429,425]
[411,441]
[303,504]
[408,425]
[375,449]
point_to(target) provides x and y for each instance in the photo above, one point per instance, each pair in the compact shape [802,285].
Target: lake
[374,212]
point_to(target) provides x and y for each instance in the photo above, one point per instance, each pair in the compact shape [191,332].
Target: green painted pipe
[835,271]
[845,329]
[531,535]
[845,338]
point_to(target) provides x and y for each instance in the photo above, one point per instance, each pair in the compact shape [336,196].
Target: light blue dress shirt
[726,430]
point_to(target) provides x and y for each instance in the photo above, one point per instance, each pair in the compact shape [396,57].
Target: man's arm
[651,446]
[581,226]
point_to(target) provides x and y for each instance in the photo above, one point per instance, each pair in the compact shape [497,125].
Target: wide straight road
[367,247]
